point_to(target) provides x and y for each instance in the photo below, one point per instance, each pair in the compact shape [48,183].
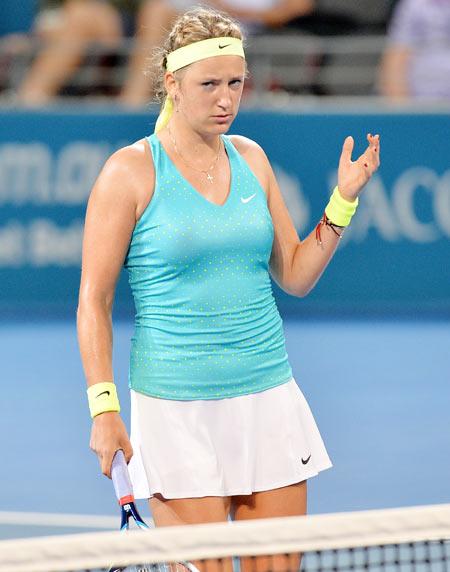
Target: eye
[207,83]
[236,83]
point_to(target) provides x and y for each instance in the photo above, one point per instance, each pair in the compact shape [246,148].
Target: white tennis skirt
[224,447]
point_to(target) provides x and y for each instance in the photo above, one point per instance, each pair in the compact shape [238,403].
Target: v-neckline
[191,186]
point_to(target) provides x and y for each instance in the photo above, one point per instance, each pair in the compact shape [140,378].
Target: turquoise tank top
[207,325]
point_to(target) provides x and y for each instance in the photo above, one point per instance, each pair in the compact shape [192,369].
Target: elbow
[92,303]
[301,286]
[302,293]
[298,290]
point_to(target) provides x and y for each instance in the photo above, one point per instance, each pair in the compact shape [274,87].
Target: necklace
[206,172]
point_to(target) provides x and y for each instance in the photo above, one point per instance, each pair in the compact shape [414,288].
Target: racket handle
[121,479]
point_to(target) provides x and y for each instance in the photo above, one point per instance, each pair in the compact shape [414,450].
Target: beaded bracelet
[338,214]
[326,221]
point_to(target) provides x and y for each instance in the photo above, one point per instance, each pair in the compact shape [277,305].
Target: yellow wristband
[102,397]
[340,211]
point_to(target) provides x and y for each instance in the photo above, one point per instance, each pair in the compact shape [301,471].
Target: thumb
[347,149]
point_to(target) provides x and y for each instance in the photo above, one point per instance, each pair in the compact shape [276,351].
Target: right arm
[115,204]
[394,73]
[402,39]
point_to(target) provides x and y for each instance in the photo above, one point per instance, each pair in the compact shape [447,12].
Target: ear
[170,83]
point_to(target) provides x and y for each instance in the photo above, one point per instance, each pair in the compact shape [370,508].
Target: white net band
[245,538]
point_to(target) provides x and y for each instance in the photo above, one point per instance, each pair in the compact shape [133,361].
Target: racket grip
[121,479]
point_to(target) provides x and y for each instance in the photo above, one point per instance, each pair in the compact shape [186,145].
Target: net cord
[244,538]
[40,519]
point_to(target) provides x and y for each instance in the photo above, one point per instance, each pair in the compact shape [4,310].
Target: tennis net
[393,540]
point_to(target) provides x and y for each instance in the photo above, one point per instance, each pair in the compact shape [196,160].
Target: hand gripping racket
[124,493]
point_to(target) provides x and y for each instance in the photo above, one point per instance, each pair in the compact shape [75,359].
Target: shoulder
[130,158]
[255,157]
[247,147]
[128,174]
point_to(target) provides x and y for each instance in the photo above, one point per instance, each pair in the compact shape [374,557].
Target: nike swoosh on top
[102,393]
[225,46]
[247,199]
[306,461]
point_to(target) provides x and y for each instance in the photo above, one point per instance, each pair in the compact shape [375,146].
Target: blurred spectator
[360,16]
[317,17]
[68,27]
[257,15]
[416,63]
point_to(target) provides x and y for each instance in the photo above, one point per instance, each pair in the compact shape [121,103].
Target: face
[209,92]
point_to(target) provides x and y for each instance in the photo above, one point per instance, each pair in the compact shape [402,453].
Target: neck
[193,143]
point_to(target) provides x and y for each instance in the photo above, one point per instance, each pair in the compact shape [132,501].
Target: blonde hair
[192,26]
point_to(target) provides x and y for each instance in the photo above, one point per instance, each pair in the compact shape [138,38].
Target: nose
[225,99]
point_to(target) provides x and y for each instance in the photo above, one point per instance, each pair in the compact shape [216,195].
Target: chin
[222,127]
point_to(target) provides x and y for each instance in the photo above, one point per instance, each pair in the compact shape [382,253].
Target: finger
[367,162]
[369,167]
[347,149]
[377,149]
[374,141]
[370,157]
[376,159]
[128,452]
[106,462]
[374,155]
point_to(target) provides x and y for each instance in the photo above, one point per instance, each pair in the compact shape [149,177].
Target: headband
[224,46]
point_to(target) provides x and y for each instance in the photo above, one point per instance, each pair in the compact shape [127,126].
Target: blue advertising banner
[393,258]
[17,17]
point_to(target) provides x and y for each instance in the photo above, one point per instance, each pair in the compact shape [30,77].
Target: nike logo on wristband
[103,393]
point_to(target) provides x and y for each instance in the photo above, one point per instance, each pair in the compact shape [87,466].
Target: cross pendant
[209,177]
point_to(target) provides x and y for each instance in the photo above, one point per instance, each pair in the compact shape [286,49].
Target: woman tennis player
[218,424]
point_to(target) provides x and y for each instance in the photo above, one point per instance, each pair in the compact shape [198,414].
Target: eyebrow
[232,78]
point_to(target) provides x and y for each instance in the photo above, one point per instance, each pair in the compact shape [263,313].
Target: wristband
[102,397]
[340,211]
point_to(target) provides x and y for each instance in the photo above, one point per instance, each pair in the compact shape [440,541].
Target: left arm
[285,11]
[297,265]
[276,16]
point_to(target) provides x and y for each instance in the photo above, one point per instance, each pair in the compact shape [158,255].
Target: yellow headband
[204,49]
[225,46]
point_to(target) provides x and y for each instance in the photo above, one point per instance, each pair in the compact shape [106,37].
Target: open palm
[353,175]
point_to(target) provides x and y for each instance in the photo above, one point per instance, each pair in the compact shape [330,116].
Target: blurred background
[369,346]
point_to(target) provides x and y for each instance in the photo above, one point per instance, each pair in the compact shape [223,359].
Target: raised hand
[353,175]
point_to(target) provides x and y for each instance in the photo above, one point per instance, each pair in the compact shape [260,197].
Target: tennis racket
[124,493]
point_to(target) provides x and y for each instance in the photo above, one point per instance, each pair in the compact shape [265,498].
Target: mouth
[222,117]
